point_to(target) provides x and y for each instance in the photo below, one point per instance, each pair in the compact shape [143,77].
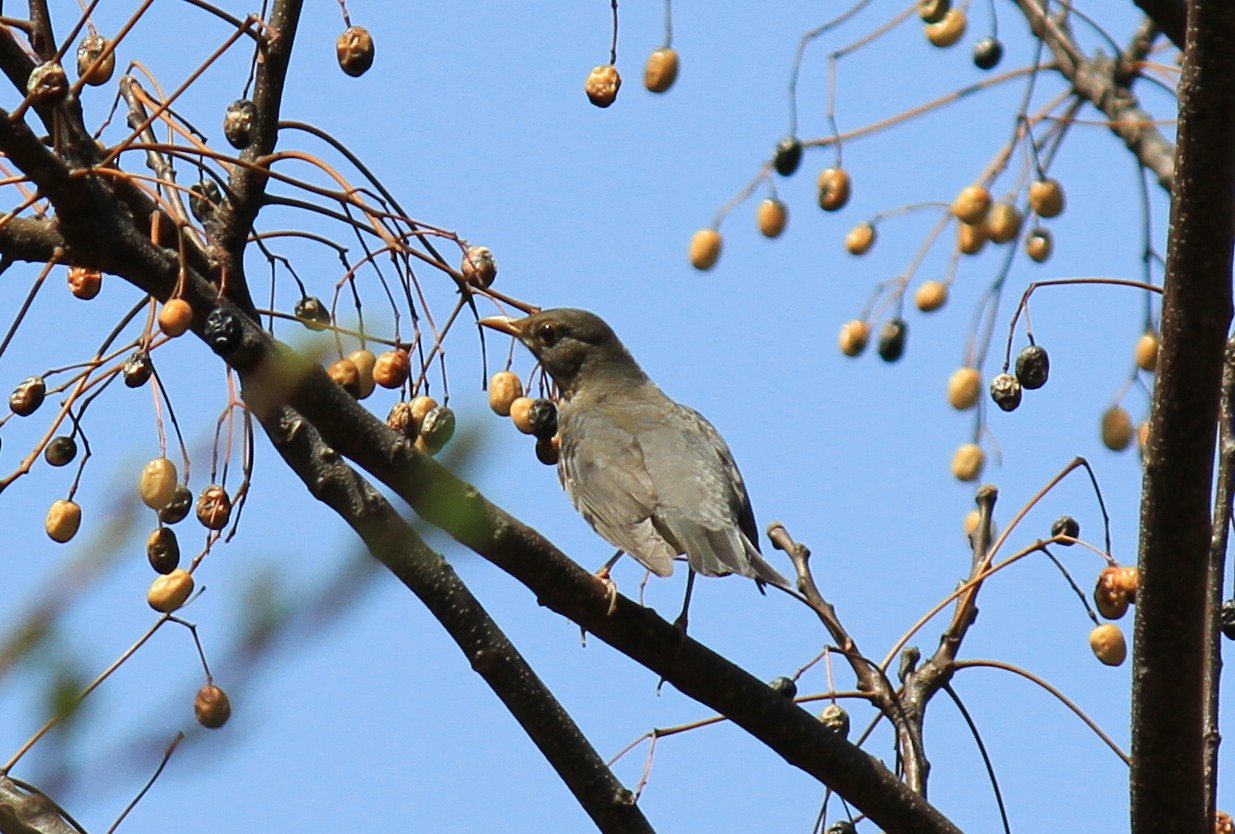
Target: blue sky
[474,116]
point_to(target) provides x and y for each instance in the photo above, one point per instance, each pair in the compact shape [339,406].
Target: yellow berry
[834,186]
[602,85]
[705,248]
[772,215]
[949,30]
[853,337]
[392,368]
[1116,428]
[365,362]
[157,484]
[1147,351]
[63,520]
[175,317]
[1003,223]
[970,238]
[1046,197]
[964,387]
[1108,644]
[169,591]
[661,69]
[504,388]
[972,204]
[521,413]
[860,238]
[931,296]
[968,461]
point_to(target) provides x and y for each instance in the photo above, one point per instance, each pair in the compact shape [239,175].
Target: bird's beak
[503,324]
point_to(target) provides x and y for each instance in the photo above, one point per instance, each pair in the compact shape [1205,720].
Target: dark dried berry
[1228,619]
[987,53]
[223,331]
[1066,526]
[403,421]
[48,83]
[214,508]
[354,49]
[212,707]
[842,827]
[28,396]
[178,508]
[60,450]
[543,416]
[1006,392]
[892,339]
[137,369]
[312,313]
[548,451]
[163,550]
[783,685]
[788,156]
[437,428]
[238,123]
[204,198]
[933,11]
[1033,367]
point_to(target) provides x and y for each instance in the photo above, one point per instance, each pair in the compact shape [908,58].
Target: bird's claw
[611,588]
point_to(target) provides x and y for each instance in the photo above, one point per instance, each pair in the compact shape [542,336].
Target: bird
[651,476]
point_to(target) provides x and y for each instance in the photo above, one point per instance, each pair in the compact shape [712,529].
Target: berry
[28,396]
[602,85]
[1003,223]
[860,238]
[1046,197]
[1006,391]
[931,296]
[1066,526]
[705,249]
[214,507]
[834,187]
[392,368]
[175,317]
[212,707]
[169,591]
[542,418]
[1116,428]
[972,204]
[1108,644]
[204,198]
[479,267]
[223,331]
[987,53]
[1147,351]
[437,427]
[1039,244]
[1033,366]
[835,720]
[788,156]
[967,462]
[312,313]
[785,686]
[63,520]
[365,362]
[932,11]
[137,369]
[771,216]
[157,483]
[948,30]
[178,508]
[89,51]
[892,337]
[354,50]
[963,388]
[854,335]
[238,123]
[60,450]
[163,550]
[85,283]
[504,388]
[661,69]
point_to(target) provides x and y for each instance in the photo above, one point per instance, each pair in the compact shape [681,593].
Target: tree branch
[1168,784]
[389,538]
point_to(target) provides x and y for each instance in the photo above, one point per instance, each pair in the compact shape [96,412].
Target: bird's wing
[703,505]
[602,468]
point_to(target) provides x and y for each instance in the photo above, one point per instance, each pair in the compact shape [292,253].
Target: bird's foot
[610,587]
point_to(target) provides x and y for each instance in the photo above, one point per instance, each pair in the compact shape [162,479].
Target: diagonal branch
[389,538]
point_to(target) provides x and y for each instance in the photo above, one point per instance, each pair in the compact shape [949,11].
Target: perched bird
[650,475]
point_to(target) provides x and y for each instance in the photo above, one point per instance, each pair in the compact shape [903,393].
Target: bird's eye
[546,333]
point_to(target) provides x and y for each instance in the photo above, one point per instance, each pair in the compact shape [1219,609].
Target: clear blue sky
[474,116]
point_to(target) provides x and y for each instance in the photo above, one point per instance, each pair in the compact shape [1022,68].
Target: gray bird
[650,475]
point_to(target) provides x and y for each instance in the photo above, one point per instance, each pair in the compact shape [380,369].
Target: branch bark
[1168,783]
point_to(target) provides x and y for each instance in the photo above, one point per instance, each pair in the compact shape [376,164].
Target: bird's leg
[680,622]
[603,576]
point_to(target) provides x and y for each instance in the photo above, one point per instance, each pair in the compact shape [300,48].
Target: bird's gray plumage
[651,476]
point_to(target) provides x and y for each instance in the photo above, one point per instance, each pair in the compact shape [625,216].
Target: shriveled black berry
[1006,392]
[933,11]
[1066,526]
[204,198]
[1033,366]
[137,369]
[1228,619]
[238,123]
[543,416]
[163,550]
[788,156]
[223,331]
[60,450]
[892,339]
[987,53]
[785,686]
[438,427]
[842,827]
[312,313]
[178,508]
[28,396]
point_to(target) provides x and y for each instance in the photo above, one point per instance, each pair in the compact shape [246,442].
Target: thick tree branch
[1170,16]
[1103,82]
[388,537]
[1168,784]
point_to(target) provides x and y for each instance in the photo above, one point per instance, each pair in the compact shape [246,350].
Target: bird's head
[576,347]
